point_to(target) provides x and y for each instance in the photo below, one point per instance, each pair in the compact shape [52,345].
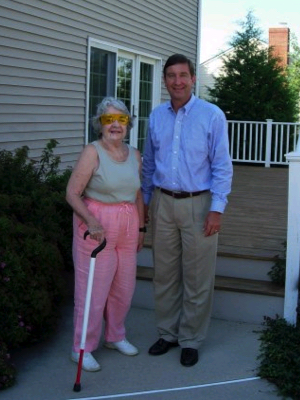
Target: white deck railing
[262,142]
[276,143]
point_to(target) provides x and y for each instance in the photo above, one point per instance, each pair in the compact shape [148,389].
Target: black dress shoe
[189,357]
[161,347]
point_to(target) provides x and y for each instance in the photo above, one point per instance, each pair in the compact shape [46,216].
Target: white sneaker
[123,347]
[88,362]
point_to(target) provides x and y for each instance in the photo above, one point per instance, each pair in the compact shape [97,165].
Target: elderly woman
[104,192]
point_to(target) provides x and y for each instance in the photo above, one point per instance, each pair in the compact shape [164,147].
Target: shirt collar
[187,107]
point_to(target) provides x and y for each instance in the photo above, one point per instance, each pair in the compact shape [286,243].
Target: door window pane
[102,81]
[124,83]
[145,102]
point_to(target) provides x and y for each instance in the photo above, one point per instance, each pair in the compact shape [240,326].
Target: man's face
[179,82]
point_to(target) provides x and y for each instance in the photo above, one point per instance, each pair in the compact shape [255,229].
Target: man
[187,173]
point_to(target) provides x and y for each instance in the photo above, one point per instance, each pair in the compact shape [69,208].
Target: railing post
[268,143]
[293,238]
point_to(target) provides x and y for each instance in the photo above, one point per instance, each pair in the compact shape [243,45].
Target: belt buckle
[175,193]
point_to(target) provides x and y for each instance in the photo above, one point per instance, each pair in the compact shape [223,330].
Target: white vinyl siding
[43,65]
[207,73]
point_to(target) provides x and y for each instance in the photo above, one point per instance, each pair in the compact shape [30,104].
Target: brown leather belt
[181,195]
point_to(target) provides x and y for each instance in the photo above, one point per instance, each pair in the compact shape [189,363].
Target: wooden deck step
[229,284]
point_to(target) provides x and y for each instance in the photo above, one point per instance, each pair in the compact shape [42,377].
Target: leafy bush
[7,369]
[35,248]
[280,356]
[277,272]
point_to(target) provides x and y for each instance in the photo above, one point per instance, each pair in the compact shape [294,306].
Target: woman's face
[114,124]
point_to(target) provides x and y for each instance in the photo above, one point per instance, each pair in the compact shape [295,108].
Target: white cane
[77,385]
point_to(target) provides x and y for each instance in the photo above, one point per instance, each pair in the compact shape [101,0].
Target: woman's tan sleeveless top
[114,181]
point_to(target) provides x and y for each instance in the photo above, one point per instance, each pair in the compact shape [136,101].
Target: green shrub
[277,272]
[35,247]
[7,369]
[280,356]
[31,284]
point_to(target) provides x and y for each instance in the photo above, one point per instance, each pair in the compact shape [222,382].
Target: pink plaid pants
[115,272]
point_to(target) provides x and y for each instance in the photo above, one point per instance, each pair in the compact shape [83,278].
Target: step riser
[144,257]
[226,266]
[231,306]
[243,268]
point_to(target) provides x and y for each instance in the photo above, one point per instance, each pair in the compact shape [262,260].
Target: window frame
[138,57]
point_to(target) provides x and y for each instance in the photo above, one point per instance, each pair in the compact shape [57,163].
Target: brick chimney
[279,39]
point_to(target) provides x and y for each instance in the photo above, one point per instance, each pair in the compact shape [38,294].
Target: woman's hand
[96,231]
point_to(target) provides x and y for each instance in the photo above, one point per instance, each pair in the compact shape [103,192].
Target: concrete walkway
[226,369]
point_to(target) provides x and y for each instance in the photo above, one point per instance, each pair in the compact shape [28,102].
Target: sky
[219,21]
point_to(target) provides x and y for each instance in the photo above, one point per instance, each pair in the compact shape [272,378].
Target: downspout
[197,88]
[86,131]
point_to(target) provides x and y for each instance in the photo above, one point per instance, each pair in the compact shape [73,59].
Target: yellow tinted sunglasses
[107,119]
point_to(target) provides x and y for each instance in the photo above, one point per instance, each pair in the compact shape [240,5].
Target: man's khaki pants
[184,267]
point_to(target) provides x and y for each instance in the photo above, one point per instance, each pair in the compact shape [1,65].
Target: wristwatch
[143,229]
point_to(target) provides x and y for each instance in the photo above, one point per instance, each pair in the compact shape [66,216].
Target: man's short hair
[179,59]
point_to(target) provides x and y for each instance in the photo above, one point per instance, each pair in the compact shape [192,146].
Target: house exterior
[279,42]
[59,58]
[211,68]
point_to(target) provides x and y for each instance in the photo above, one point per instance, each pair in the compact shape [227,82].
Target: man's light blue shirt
[188,151]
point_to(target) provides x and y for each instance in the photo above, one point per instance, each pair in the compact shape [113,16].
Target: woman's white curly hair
[102,109]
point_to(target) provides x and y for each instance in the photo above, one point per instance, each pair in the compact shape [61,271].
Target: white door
[136,87]
[132,78]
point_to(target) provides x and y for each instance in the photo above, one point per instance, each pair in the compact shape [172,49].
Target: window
[145,101]
[131,77]
[102,81]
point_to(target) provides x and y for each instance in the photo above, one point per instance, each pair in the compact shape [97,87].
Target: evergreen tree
[252,86]
[294,68]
